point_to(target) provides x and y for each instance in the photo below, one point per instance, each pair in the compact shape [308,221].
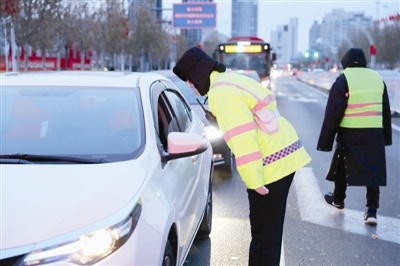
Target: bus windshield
[246,61]
[246,53]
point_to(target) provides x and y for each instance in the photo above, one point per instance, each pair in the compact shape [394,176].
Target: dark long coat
[361,149]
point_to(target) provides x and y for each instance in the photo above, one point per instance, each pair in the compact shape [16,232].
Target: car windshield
[78,122]
[187,92]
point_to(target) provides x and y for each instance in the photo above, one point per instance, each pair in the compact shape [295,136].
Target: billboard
[194,15]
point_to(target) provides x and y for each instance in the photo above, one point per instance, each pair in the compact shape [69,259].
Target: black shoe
[330,200]
[370,217]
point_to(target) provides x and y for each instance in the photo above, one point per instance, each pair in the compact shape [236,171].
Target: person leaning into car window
[266,160]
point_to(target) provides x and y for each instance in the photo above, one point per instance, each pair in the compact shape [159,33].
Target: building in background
[315,34]
[284,42]
[338,25]
[155,5]
[244,18]
[325,38]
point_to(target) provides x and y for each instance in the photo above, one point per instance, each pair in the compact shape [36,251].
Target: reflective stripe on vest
[364,105]
[254,156]
[239,130]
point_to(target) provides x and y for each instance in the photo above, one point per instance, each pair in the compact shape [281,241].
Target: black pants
[341,186]
[267,214]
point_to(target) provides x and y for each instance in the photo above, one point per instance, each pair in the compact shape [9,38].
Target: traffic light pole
[372,44]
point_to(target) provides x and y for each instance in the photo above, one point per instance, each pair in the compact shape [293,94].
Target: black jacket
[361,149]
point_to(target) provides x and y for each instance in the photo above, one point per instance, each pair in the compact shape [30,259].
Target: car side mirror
[184,145]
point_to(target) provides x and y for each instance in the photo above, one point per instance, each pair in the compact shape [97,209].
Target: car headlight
[213,132]
[265,83]
[90,248]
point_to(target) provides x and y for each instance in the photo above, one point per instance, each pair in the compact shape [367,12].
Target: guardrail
[324,80]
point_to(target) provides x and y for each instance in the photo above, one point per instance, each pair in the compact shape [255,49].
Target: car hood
[40,202]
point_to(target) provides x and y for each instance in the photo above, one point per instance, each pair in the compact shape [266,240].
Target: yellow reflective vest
[364,105]
[261,158]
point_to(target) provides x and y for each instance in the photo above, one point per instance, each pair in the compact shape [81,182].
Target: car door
[184,177]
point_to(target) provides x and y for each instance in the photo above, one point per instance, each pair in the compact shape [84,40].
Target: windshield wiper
[22,158]
[14,161]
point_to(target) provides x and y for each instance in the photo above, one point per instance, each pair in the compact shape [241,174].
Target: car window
[180,109]
[173,113]
[72,121]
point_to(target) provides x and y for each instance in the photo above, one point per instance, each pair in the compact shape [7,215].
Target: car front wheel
[227,168]
[169,257]
[206,222]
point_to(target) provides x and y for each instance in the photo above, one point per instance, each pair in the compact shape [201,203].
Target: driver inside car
[122,122]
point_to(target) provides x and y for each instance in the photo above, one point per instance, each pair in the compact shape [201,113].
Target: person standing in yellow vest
[358,114]
[266,146]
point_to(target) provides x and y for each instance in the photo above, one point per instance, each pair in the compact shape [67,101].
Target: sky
[273,13]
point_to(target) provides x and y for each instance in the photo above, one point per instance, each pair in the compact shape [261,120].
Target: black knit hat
[196,66]
[354,58]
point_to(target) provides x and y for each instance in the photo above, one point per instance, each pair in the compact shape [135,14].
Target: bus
[246,53]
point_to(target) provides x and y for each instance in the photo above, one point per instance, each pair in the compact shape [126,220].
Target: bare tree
[182,45]
[82,34]
[386,38]
[46,40]
[63,29]
[159,50]
[341,51]
[211,42]
[99,26]
[116,30]
[149,40]
[8,7]
[33,14]
[388,46]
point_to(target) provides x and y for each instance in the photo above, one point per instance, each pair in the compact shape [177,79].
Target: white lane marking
[395,127]
[303,99]
[313,209]
[282,261]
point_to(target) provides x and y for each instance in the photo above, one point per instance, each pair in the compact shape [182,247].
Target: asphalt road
[314,233]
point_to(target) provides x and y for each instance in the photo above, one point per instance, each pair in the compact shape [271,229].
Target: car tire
[206,222]
[227,168]
[169,257]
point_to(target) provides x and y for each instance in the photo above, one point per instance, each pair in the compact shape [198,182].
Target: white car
[100,168]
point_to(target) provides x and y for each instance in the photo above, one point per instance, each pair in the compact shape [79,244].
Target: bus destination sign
[236,48]
[194,15]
